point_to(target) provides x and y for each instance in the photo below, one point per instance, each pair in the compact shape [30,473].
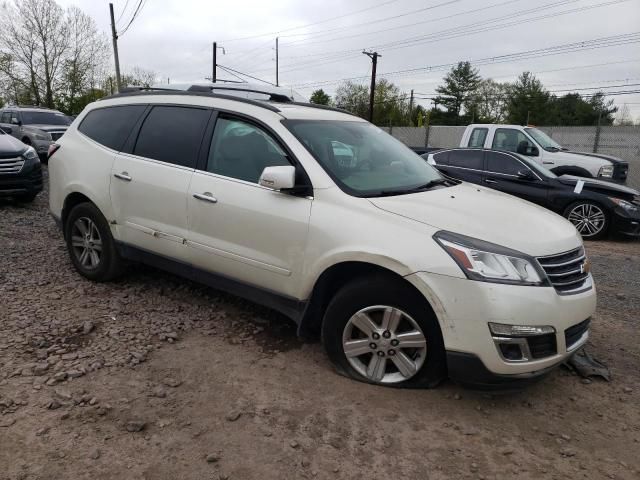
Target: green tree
[319,97]
[459,85]
[527,101]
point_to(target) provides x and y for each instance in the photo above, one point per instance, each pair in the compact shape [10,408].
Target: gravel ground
[155,377]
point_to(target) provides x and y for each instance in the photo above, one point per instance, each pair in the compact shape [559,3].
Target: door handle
[548,163]
[123,176]
[206,196]
[487,180]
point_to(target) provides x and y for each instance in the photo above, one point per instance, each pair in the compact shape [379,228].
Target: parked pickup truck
[537,145]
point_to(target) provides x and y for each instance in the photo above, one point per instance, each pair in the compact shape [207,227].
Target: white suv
[407,276]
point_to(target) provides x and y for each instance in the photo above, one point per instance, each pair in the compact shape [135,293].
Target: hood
[48,128]
[579,159]
[598,185]
[10,146]
[487,215]
[611,158]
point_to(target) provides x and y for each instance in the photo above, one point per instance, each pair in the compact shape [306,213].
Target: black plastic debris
[586,366]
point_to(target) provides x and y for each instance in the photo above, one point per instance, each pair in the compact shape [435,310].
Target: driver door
[238,228]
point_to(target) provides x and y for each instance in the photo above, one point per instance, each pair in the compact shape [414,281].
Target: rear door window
[504,164]
[471,159]
[6,117]
[477,138]
[172,134]
[110,126]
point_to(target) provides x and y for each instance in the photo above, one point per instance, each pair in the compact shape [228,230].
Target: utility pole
[114,37]
[215,62]
[411,108]
[374,59]
[277,83]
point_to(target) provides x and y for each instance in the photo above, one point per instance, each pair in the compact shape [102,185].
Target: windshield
[362,159]
[44,118]
[544,140]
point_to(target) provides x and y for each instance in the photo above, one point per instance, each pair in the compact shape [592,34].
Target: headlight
[606,171]
[628,206]
[488,262]
[42,136]
[31,155]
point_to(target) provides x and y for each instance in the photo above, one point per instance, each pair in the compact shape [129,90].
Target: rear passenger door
[465,165]
[150,179]
[237,228]
[503,174]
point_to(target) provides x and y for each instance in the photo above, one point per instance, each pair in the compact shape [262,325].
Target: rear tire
[91,245]
[590,219]
[399,315]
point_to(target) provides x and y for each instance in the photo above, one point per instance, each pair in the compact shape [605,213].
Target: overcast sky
[322,40]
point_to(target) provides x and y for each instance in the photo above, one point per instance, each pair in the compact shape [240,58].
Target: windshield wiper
[419,188]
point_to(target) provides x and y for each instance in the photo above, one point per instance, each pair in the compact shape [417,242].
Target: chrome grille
[568,272]
[11,165]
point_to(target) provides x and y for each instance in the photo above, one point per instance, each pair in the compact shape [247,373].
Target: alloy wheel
[589,219]
[384,344]
[86,243]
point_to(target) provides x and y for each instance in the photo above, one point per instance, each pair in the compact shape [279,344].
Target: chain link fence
[622,142]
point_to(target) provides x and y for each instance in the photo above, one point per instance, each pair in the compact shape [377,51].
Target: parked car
[35,126]
[20,172]
[546,152]
[404,274]
[593,206]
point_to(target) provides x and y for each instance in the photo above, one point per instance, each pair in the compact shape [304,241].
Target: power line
[122,12]
[311,24]
[136,12]
[448,34]
[228,69]
[602,42]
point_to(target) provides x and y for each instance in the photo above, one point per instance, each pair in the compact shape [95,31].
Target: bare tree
[623,117]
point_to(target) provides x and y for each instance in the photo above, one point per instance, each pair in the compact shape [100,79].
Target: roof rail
[274,97]
[167,91]
[323,107]
[26,106]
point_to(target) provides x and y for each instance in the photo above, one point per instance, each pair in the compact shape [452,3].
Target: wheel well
[577,171]
[332,280]
[71,201]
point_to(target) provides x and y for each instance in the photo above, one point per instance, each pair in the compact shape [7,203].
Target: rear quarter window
[111,126]
[441,158]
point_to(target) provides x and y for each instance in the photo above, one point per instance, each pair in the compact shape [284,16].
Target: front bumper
[625,223]
[28,181]
[465,308]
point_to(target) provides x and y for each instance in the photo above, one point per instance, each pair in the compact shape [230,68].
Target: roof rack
[27,106]
[208,91]
[132,92]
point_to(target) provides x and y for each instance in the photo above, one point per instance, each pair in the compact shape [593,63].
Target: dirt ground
[154,377]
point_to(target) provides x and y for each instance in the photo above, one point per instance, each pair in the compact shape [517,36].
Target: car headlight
[628,206]
[488,262]
[606,171]
[31,155]
[42,136]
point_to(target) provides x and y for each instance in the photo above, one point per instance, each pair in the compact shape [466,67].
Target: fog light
[511,351]
[504,330]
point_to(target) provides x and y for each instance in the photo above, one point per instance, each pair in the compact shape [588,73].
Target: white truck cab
[536,144]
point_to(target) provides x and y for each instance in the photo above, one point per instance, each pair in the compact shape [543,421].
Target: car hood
[10,146]
[487,215]
[598,185]
[601,156]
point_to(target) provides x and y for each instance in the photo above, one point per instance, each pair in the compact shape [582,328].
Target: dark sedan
[593,206]
[20,170]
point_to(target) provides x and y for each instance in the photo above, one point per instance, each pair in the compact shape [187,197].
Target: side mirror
[525,175]
[278,178]
[15,121]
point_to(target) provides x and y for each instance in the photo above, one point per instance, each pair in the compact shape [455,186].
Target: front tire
[91,245]
[590,219]
[381,331]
